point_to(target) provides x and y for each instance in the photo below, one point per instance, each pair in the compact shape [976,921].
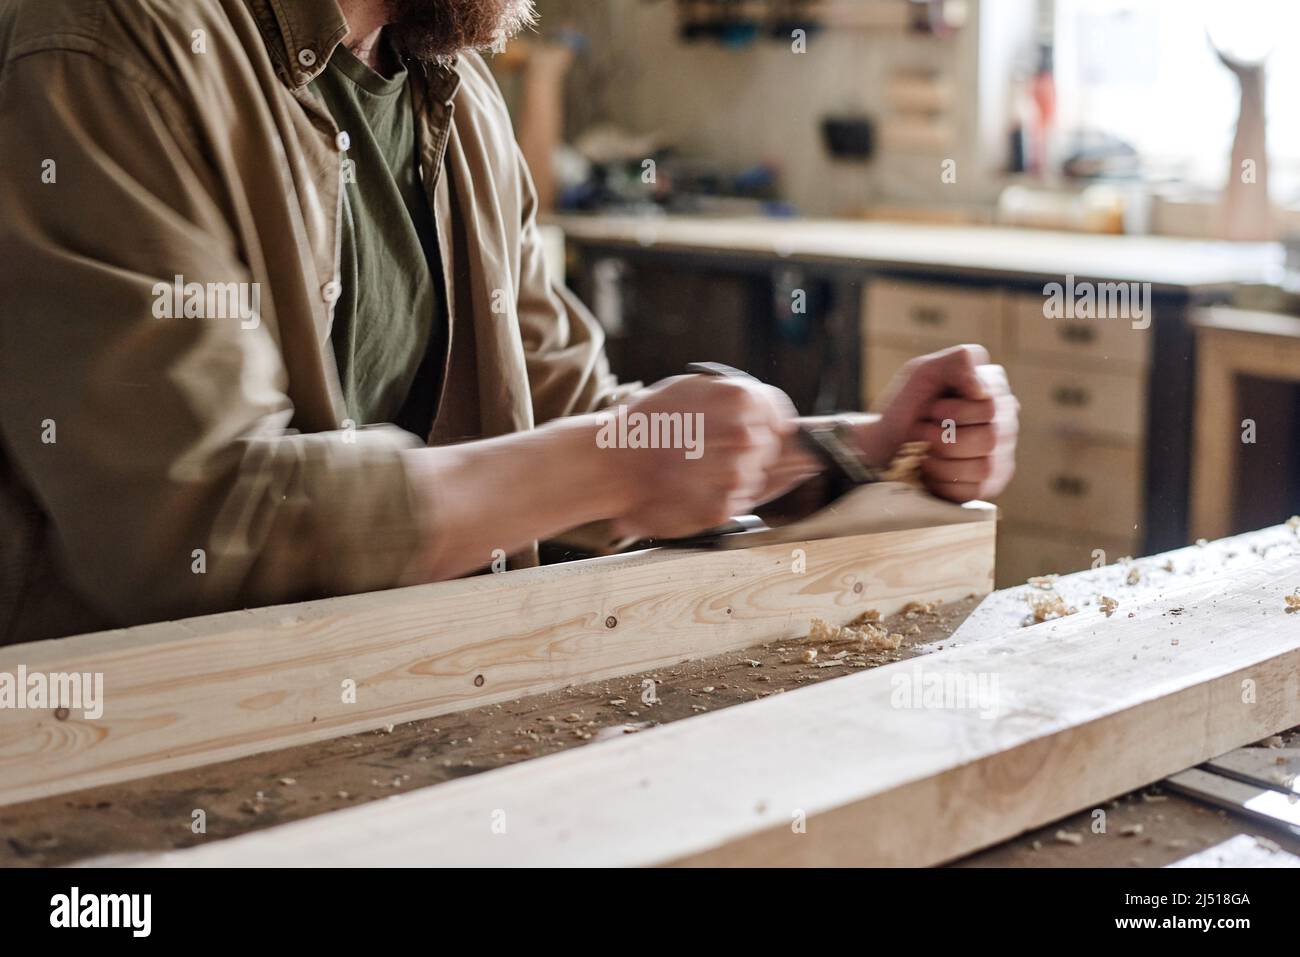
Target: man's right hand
[744,424]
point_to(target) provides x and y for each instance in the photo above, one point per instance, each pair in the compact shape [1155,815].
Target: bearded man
[275,323]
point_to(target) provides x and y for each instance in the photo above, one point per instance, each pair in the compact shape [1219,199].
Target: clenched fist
[963,407]
[677,492]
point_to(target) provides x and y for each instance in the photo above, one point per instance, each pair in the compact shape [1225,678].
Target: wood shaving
[1047,605]
[915,608]
[820,631]
[1044,582]
[1108,605]
[1068,837]
[1293,601]
[872,637]
[808,656]
[863,632]
[906,463]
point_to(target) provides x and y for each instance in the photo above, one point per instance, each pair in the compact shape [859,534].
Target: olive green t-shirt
[389,332]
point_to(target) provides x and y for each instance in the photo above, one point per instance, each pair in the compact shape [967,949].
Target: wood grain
[186,693]
[1087,708]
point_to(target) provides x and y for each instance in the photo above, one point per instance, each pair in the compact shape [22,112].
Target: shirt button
[331,291]
[343,141]
[307,57]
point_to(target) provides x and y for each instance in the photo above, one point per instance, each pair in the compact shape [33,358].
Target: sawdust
[1293,601]
[1108,605]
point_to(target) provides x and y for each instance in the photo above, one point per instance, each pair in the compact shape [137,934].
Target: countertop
[1169,264]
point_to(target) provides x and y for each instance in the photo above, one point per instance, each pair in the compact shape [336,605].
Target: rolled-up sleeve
[160,449]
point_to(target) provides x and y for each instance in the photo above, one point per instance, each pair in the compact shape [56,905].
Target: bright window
[1144,70]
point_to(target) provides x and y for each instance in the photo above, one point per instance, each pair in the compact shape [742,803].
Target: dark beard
[437,30]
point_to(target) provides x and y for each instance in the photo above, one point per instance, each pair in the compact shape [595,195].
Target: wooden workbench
[240,796]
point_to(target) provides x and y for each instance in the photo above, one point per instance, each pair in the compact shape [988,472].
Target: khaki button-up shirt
[172,436]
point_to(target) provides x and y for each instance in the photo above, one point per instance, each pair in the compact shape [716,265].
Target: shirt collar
[301,35]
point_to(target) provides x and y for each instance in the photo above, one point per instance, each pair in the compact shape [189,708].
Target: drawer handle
[1070,395]
[1070,485]
[1077,333]
[927,316]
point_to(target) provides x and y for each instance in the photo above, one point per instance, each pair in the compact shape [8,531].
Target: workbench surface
[1168,263]
[156,814]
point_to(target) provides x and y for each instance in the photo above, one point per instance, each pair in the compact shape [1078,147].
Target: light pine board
[193,692]
[1088,708]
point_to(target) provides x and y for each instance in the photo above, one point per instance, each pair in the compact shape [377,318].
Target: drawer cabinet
[930,316]
[1104,343]
[1076,485]
[1072,401]
[1082,385]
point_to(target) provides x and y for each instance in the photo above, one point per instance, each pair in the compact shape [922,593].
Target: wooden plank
[186,693]
[1086,708]
[1240,851]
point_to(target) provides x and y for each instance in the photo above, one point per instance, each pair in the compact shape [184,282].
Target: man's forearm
[496,496]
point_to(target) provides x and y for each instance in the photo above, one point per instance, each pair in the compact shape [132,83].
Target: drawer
[1076,484]
[1101,404]
[1110,342]
[1026,551]
[928,316]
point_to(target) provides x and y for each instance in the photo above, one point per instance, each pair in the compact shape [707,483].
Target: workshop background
[817,190]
